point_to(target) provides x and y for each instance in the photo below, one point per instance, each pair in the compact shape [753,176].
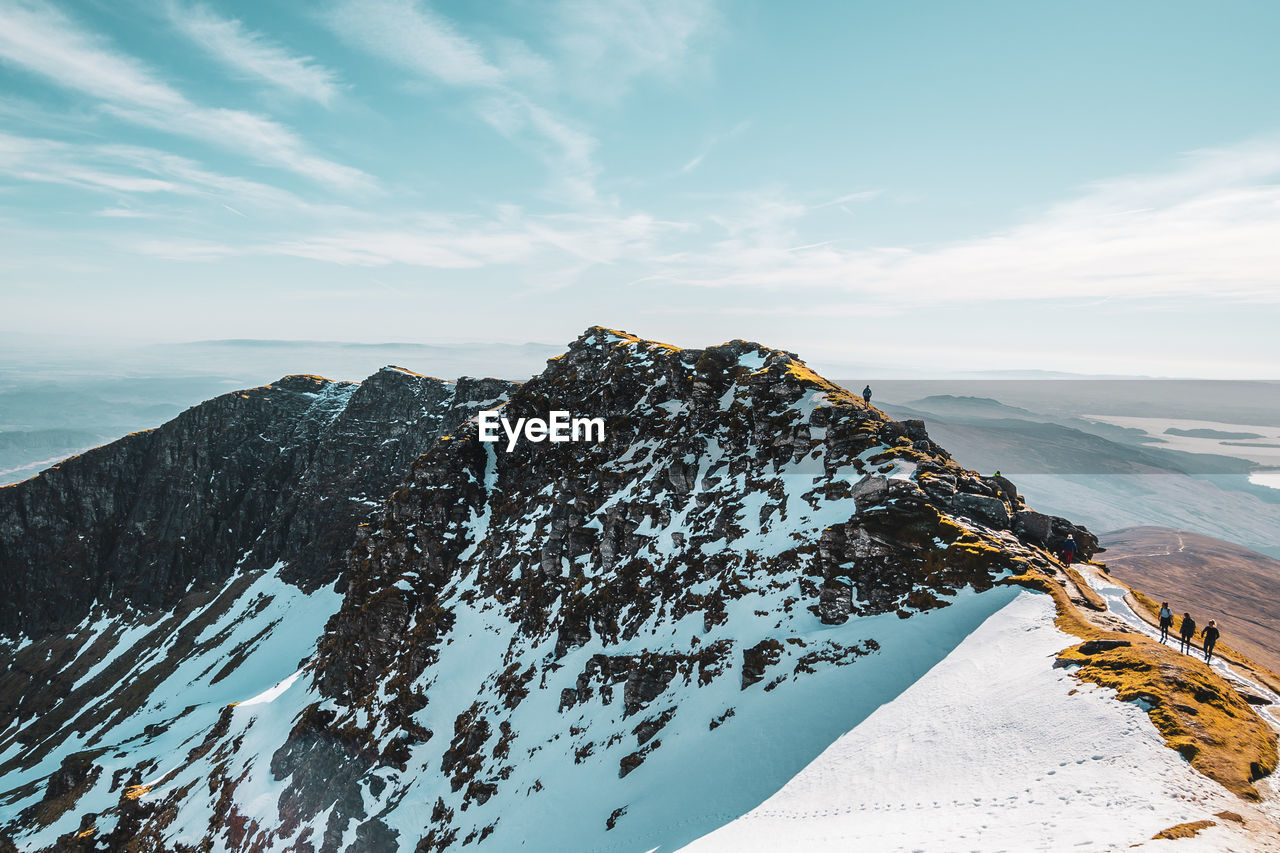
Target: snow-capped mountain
[621,644]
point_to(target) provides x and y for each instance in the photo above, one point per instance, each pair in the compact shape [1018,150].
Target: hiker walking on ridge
[1210,635]
[1069,549]
[1166,620]
[866,395]
[1187,631]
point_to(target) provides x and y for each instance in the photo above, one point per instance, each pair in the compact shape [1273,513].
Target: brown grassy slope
[1198,713]
[1208,578]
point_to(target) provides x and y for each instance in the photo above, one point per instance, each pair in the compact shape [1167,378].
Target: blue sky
[1089,187]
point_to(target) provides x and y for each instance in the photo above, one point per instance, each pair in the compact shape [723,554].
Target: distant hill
[983,408]
[1211,433]
[1208,578]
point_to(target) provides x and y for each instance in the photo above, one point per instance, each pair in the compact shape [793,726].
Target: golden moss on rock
[1183,830]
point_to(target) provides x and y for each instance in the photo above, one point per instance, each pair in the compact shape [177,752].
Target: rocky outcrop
[1050,531]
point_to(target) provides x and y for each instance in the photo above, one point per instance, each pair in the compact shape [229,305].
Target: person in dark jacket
[1166,620]
[1069,549]
[1210,635]
[866,395]
[1188,632]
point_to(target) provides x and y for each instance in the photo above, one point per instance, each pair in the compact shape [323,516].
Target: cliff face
[584,645]
[114,561]
[280,472]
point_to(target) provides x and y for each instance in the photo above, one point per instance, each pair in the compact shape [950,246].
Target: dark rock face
[281,472]
[165,529]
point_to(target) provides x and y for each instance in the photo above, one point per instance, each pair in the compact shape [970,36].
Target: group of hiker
[1187,631]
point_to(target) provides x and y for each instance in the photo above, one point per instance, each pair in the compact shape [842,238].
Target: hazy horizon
[505,359]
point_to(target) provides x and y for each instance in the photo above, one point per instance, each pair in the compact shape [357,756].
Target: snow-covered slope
[994,749]
[613,645]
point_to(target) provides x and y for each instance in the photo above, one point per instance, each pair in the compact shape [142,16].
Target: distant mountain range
[1108,476]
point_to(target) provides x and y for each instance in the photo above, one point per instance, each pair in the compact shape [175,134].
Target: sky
[1090,187]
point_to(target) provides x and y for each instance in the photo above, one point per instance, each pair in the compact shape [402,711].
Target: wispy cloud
[46,161]
[594,51]
[569,151]
[124,213]
[44,41]
[566,241]
[1210,226]
[415,39]
[711,143]
[604,48]
[251,55]
[132,169]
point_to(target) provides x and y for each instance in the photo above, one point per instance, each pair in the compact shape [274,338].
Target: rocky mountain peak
[278,472]
[620,622]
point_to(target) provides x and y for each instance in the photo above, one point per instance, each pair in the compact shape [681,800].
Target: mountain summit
[619,644]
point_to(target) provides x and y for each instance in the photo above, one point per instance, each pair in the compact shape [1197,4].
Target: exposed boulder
[992,512]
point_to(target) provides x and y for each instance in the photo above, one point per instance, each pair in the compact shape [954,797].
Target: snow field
[992,750]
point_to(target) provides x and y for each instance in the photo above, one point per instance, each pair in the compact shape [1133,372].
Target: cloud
[1210,226]
[123,213]
[132,169]
[712,143]
[604,48]
[251,55]
[569,151]
[415,39]
[45,42]
[542,243]
[46,161]
[594,51]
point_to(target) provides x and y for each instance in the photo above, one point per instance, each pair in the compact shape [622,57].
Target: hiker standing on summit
[1166,620]
[1210,634]
[1187,631]
[866,395]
